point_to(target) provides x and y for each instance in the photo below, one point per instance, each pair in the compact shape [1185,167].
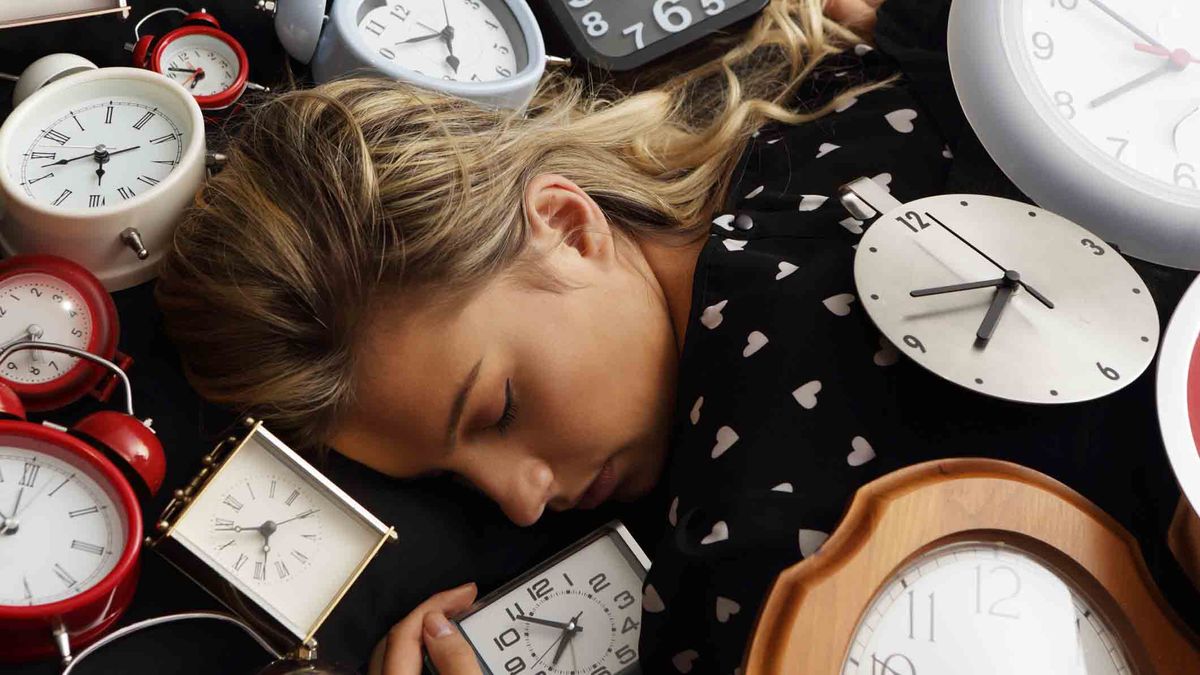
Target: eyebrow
[460,403]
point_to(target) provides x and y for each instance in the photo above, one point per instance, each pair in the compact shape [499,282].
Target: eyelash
[510,409]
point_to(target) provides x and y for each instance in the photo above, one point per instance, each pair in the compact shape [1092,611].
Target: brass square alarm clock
[265,533]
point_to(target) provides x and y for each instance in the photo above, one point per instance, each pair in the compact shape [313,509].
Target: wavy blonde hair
[337,197]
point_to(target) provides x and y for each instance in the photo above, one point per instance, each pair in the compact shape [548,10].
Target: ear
[560,213]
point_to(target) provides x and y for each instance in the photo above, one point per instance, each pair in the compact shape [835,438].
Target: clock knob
[131,439]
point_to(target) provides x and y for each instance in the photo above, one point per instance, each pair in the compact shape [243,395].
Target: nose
[521,487]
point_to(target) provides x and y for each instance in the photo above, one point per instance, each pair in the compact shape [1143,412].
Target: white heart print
[811,541]
[754,193]
[887,354]
[785,268]
[683,660]
[853,224]
[724,221]
[902,120]
[673,512]
[783,487]
[825,149]
[839,304]
[754,342]
[806,394]
[726,437]
[946,152]
[711,317]
[861,452]
[812,202]
[726,608]
[773,141]
[734,244]
[651,602]
[720,532]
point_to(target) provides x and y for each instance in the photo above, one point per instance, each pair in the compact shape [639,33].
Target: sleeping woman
[577,302]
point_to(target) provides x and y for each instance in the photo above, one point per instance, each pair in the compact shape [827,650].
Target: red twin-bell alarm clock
[206,60]
[70,523]
[45,298]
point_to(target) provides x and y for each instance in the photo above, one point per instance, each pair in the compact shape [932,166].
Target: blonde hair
[337,196]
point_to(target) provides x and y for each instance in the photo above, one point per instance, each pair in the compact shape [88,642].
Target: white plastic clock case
[1048,159]
[92,236]
[1179,348]
[341,50]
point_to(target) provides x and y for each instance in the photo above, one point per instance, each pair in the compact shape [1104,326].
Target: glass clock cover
[185,56]
[983,608]
[596,584]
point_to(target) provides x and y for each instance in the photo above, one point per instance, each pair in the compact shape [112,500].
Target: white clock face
[96,152]
[62,531]
[276,535]
[37,306]
[596,590]
[1125,76]
[985,609]
[413,34]
[203,64]
[1082,326]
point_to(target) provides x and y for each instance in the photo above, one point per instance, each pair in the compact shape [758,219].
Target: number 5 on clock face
[578,612]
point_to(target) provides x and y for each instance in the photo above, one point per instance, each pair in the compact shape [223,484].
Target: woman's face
[540,399]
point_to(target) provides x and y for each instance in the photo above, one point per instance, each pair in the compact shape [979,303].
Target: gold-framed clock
[971,566]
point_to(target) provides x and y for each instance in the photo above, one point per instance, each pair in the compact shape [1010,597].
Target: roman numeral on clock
[29,475]
[108,115]
[57,137]
[300,556]
[126,193]
[95,200]
[31,182]
[240,562]
[292,497]
[260,573]
[78,122]
[86,547]
[148,180]
[375,27]
[64,575]
[43,155]
[145,119]
[162,139]
[232,502]
[62,197]
[281,569]
[226,545]
[83,512]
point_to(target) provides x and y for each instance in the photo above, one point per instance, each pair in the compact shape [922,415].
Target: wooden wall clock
[971,566]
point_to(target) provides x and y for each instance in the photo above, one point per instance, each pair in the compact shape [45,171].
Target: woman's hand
[857,15]
[399,652]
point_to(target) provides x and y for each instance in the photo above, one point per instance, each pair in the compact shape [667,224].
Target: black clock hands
[569,633]
[954,288]
[1125,22]
[999,302]
[1032,291]
[553,624]
[420,38]
[100,151]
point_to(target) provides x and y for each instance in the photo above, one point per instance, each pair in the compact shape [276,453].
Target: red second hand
[1180,57]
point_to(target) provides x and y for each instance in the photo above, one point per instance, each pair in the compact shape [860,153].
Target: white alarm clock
[1092,108]
[489,51]
[97,167]
[579,612]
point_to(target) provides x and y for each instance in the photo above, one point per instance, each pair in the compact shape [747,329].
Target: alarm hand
[1041,298]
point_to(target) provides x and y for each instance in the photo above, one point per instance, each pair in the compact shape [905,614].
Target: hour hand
[553,624]
[953,288]
[999,302]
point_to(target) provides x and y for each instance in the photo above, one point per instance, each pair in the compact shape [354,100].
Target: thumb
[448,649]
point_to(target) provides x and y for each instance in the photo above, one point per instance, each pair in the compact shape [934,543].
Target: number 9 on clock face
[579,612]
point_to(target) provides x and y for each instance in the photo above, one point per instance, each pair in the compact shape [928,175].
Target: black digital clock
[624,34]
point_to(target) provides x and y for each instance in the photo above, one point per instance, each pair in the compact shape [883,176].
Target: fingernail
[436,625]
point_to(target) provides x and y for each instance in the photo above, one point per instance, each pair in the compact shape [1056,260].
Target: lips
[601,488]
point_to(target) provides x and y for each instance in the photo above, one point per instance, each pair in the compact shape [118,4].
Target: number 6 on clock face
[579,612]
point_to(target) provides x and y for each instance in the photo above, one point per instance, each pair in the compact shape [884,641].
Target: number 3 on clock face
[578,612]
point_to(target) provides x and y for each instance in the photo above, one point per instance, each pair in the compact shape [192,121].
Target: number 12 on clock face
[579,612]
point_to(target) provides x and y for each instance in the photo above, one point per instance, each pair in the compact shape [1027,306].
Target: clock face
[1178,392]
[982,608]
[38,306]
[620,29]
[458,40]
[203,64]
[595,591]
[1123,75]
[62,530]
[1079,325]
[97,152]
[276,534]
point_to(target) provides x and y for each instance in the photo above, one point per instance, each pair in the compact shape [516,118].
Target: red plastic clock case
[148,52]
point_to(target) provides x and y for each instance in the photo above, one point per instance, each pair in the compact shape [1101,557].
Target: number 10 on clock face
[580,612]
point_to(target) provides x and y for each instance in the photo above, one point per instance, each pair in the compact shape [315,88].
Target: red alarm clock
[45,298]
[1179,392]
[70,523]
[206,60]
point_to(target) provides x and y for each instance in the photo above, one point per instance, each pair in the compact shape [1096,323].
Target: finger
[375,667]
[402,656]
[447,647]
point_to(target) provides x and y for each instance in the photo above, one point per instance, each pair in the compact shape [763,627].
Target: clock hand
[446,12]
[568,633]
[937,290]
[552,645]
[182,70]
[421,38]
[1041,298]
[1134,84]
[999,302]
[574,663]
[97,152]
[553,624]
[1125,22]
[1181,57]
[288,520]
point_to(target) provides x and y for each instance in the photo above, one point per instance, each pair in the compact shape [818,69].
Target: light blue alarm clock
[489,51]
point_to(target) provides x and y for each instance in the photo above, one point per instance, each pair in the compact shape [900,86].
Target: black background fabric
[448,534]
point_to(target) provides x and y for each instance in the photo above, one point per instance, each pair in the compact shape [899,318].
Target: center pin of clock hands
[96,153]
[568,635]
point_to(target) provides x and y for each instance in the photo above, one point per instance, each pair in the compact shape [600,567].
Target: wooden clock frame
[814,607]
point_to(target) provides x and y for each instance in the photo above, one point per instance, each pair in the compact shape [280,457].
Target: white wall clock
[1092,108]
[1000,297]
[97,167]
[489,51]
[1179,393]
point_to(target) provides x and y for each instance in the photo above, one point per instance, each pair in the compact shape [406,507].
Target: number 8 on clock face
[579,612]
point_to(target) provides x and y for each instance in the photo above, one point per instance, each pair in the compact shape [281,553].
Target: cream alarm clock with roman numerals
[265,533]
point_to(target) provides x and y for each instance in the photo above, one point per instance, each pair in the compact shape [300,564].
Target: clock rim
[126,566]
[1158,634]
[222,99]
[1041,162]
[1178,371]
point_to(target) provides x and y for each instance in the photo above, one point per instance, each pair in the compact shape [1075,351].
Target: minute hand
[1127,23]
[1041,298]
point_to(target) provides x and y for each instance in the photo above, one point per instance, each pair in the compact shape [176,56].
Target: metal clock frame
[630,549]
[272,630]
[711,24]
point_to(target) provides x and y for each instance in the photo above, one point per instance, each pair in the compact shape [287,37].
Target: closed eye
[509,415]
